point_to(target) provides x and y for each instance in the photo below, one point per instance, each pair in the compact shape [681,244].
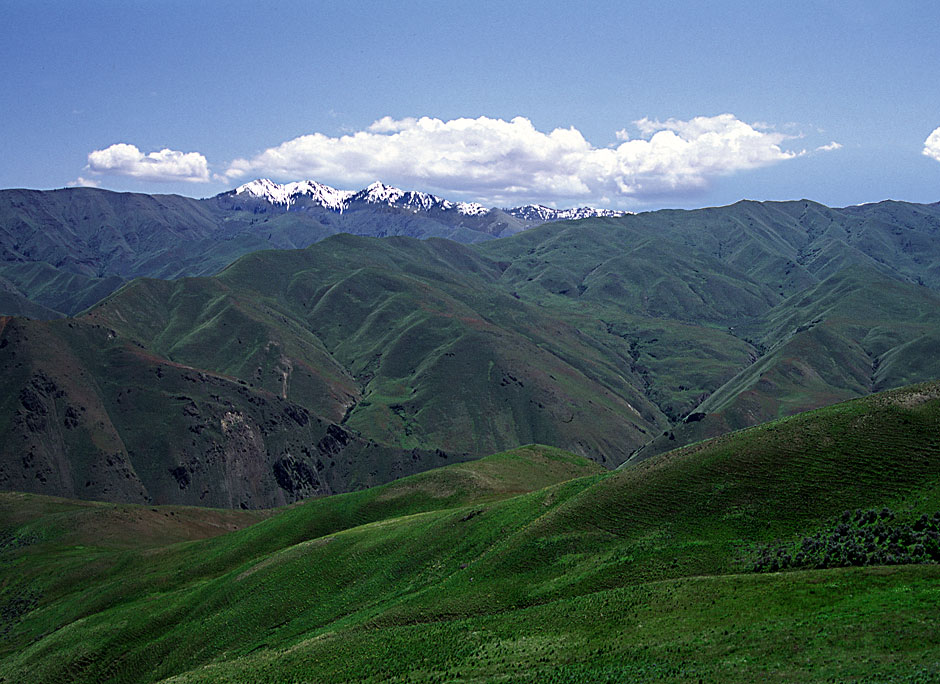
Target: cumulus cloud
[830,147]
[122,159]
[502,160]
[81,182]
[932,145]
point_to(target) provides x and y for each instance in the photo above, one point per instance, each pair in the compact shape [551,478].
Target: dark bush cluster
[858,538]
[11,539]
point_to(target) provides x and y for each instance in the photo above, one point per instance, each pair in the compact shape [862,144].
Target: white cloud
[932,145]
[830,147]
[81,182]
[498,160]
[122,159]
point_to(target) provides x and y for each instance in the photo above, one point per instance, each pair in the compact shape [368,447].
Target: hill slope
[831,303]
[90,414]
[636,574]
[601,336]
[432,352]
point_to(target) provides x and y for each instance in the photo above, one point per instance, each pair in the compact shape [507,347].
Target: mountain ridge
[601,336]
[319,194]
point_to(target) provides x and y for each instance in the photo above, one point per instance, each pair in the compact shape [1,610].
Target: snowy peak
[471,209]
[379,193]
[288,193]
[265,189]
[324,195]
[306,194]
[538,212]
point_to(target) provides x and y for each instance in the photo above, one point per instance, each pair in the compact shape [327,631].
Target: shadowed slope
[90,413]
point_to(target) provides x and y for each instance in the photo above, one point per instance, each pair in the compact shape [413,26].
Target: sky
[629,105]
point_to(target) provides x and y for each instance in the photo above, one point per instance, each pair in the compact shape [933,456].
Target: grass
[858,625]
[508,569]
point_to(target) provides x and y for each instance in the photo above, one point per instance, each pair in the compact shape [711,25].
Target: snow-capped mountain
[289,193]
[305,194]
[539,212]
[379,193]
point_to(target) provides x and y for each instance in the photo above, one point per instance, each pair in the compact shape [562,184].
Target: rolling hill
[468,573]
[90,415]
[832,303]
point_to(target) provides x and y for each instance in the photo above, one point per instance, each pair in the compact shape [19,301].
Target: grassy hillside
[602,337]
[57,289]
[422,348]
[854,333]
[787,306]
[77,245]
[458,575]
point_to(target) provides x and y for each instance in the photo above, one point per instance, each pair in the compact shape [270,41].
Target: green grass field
[530,565]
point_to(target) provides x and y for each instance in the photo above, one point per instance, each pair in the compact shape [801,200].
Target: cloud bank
[504,160]
[122,159]
[932,145]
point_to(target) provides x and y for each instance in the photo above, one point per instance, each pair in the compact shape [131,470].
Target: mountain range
[293,373]
[306,195]
[243,461]
[63,250]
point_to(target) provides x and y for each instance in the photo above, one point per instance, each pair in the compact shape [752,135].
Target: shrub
[857,538]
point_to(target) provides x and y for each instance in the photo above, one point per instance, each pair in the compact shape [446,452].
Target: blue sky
[495,102]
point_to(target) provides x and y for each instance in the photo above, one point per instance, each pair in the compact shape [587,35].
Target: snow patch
[471,209]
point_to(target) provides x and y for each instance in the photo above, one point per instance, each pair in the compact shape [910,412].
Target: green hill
[825,304]
[413,345]
[68,248]
[459,575]
[854,333]
[607,337]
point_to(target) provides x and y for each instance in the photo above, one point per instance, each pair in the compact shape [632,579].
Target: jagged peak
[287,193]
[379,193]
[471,208]
[540,212]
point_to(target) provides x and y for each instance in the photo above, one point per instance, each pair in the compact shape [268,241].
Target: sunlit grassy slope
[509,569]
